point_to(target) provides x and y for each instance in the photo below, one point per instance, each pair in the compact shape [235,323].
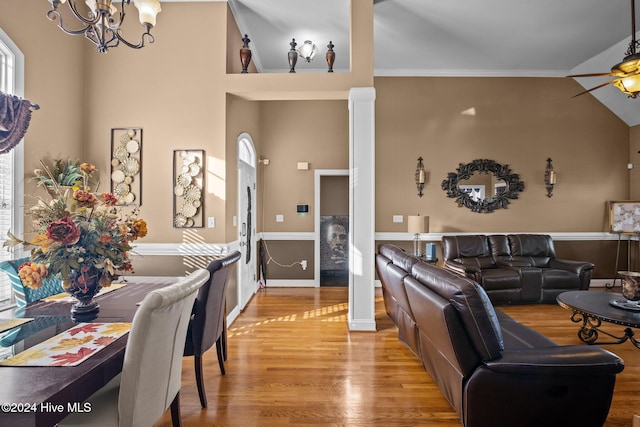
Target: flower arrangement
[82,238]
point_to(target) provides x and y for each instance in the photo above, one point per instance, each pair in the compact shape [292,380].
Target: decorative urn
[630,285]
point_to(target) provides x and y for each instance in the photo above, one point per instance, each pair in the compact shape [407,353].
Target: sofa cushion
[499,244]
[404,260]
[532,245]
[465,246]
[501,278]
[517,336]
[472,303]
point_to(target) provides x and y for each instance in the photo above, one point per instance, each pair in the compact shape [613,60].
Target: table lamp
[417,225]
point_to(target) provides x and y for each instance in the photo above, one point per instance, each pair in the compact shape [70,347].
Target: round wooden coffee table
[591,308]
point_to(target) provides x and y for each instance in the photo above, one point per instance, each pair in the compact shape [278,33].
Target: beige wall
[334,195]
[518,121]
[52,80]
[169,89]
[299,131]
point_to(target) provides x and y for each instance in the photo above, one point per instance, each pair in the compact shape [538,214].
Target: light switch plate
[279,218]
[211,222]
[398,218]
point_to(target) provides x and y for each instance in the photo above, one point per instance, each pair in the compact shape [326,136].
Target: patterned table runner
[6,324]
[71,347]
[65,297]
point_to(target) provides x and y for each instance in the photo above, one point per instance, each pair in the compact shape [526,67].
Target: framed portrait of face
[334,244]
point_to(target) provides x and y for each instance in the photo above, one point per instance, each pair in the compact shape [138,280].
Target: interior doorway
[332,228]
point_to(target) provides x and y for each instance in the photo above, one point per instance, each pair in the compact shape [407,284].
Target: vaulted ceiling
[541,38]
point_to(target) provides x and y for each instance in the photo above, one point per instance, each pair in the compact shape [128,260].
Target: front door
[247,283]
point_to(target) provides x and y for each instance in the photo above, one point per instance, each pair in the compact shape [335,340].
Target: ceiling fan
[627,72]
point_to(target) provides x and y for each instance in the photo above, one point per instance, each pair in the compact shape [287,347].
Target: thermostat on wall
[302,209]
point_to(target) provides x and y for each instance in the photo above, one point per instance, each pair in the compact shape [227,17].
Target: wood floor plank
[293,362]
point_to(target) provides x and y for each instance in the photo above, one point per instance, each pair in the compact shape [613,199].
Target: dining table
[41,396]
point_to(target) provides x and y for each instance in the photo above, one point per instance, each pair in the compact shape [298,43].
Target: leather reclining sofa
[515,268]
[494,371]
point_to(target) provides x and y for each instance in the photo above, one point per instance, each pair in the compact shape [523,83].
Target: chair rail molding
[559,236]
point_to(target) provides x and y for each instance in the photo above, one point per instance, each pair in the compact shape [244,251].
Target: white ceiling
[533,38]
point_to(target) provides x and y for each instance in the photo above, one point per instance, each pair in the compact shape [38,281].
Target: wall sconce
[421,176]
[549,178]
[307,50]
[417,225]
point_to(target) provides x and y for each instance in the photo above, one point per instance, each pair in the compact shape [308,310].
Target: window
[11,164]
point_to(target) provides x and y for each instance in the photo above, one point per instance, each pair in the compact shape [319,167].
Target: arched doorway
[247,284]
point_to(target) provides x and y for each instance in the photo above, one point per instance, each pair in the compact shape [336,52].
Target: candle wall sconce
[421,176]
[549,178]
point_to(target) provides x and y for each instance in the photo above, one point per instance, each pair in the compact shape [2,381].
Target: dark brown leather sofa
[515,268]
[494,371]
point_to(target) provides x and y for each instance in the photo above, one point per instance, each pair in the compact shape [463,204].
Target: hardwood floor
[292,361]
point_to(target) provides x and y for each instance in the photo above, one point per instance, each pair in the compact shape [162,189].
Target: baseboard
[362,325]
[290,283]
[601,283]
[233,315]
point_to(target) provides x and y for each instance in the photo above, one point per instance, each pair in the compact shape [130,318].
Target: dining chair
[208,320]
[23,294]
[152,368]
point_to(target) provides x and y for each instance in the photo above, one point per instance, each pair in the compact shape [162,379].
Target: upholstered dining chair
[152,369]
[208,320]
[24,295]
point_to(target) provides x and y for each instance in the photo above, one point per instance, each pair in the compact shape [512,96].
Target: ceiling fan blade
[594,88]
[593,75]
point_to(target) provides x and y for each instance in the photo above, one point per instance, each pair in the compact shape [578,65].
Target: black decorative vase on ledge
[245,54]
[331,56]
[293,56]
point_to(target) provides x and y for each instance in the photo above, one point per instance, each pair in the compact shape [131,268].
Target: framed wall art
[188,188]
[126,165]
[624,217]
[334,248]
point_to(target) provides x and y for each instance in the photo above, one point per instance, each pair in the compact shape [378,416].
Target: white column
[362,209]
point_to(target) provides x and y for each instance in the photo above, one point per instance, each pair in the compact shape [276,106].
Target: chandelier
[102,21]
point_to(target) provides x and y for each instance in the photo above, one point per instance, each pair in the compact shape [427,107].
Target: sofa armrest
[462,269]
[576,267]
[557,360]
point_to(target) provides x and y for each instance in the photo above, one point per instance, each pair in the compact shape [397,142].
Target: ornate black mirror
[483,185]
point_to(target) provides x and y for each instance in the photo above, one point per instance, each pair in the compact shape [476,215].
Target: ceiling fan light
[629,85]
[630,65]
